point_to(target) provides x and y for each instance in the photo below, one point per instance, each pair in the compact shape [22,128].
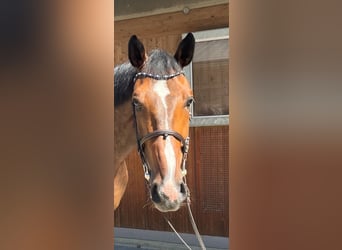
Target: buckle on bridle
[147,173]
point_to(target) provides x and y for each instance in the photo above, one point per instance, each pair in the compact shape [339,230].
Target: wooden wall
[208,158]
[164,30]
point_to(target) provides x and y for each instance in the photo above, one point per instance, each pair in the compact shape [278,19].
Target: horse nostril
[183,188]
[155,193]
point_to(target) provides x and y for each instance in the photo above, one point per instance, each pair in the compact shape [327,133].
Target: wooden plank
[129,14]
[212,211]
[173,23]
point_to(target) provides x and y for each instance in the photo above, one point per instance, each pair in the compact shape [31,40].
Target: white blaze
[162,90]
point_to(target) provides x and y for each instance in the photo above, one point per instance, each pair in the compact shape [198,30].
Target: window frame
[207,120]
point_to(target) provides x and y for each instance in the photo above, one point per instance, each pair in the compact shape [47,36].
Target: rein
[184,147]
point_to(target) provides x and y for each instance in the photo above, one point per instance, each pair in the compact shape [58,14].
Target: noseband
[156,133]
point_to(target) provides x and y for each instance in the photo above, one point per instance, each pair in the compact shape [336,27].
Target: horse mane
[159,62]
[123,83]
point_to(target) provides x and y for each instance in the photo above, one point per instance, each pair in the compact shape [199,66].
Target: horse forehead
[178,86]
[152,90]
[142,86]
[161,88]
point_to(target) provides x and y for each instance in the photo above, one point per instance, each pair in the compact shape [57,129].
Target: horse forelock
[159,62]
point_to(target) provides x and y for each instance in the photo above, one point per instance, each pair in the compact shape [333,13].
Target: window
[209,77]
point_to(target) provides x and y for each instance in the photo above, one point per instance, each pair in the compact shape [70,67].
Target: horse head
[161,102]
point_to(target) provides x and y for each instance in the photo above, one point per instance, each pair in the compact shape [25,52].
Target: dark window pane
[211,78]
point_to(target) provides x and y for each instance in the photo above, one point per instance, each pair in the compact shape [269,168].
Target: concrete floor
[130,239]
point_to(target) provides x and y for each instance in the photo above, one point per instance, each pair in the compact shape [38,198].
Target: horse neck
[124,132]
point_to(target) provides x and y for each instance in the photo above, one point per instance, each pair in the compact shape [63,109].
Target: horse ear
[185,50]
[136,52]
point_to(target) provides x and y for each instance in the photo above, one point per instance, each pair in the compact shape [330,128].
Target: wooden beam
[174,23]
[173,8]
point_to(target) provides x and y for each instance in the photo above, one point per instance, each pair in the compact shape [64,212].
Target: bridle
[156,133]
[184,147]
[157,77]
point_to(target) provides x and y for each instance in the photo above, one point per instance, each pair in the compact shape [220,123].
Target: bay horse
[152,99]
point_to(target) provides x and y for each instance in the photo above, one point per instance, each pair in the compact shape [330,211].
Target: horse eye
[189,101]
[137,105]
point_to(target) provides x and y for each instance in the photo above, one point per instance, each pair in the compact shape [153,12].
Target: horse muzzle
[168,196]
